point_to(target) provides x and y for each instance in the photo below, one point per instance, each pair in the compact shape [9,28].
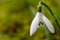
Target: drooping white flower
[35,23]
[48,24]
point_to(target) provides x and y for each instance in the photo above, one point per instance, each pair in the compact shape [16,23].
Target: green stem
[51,13]
[47,33]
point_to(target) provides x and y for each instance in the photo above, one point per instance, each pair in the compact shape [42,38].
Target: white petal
[35,24]
[48,24]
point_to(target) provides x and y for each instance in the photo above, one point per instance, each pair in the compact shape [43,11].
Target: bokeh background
[16,17]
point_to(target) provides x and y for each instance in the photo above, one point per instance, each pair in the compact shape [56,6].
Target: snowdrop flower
[35,23]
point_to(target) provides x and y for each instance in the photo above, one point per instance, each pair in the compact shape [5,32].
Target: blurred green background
[16,18]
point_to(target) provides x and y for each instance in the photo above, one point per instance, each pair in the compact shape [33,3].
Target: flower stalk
[51,13]
[47,33]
